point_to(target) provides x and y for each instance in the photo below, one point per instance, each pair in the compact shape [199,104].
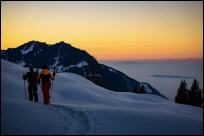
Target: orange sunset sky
[115,30]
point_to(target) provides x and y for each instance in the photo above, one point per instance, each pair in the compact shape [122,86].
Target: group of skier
[45,78]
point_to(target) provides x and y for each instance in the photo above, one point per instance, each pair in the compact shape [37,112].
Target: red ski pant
[46,90]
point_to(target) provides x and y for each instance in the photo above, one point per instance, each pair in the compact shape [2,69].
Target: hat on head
[45,67]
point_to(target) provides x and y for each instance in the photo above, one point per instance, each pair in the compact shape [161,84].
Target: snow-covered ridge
[146,88]
[38,52]
[26,49]
[56,61]
[61,68]
[79,65]
[110,69]
[81,107]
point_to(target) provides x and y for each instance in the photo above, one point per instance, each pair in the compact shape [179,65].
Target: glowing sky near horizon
[116,30]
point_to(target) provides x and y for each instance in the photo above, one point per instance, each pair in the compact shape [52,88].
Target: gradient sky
[119,30]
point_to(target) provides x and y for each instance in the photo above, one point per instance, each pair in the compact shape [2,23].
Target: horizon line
[149,59]
[114,59]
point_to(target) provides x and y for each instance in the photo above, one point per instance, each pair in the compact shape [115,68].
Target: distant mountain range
[63,57]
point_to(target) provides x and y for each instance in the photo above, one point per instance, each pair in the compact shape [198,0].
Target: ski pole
[54,73]
[51,90]
[25,89]
[52,82]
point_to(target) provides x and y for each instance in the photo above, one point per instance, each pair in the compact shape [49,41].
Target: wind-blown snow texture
[81,107]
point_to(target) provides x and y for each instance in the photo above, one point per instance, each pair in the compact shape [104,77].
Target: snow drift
[81,107]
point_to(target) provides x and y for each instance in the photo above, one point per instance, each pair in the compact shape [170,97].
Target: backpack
[45,77]
[32,78]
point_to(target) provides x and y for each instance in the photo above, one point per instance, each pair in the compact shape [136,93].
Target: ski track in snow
[74,121]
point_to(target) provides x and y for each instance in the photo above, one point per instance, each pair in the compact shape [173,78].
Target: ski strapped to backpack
[54,73]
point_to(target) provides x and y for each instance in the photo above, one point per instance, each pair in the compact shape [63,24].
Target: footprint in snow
[74,121]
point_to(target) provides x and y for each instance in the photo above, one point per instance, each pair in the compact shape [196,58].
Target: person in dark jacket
[31,77]
[45,76]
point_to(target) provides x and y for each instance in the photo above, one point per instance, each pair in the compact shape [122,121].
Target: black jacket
[31,77]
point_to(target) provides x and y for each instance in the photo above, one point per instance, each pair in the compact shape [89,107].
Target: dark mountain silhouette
[65,58]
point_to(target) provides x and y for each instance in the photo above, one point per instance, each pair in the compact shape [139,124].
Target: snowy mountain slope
[63,57]
[81,107]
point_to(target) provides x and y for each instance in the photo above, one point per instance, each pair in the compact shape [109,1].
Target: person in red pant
[45,76]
